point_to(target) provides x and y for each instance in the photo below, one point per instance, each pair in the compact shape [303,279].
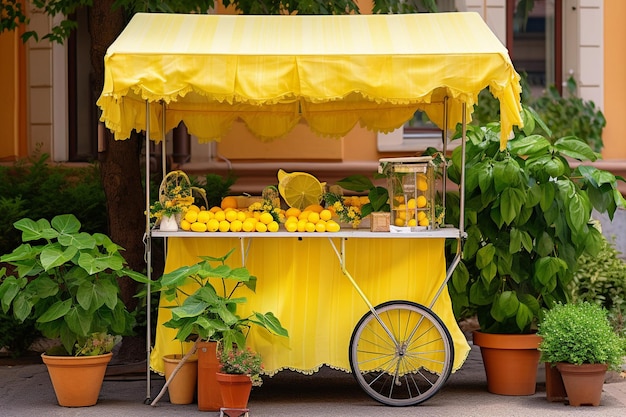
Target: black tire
[404,362]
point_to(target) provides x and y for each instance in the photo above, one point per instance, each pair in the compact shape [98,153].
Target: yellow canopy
[272,71]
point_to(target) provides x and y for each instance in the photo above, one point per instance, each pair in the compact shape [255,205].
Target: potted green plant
[208,316]
[66,280]
[240,370]
[579,340]
[528,219]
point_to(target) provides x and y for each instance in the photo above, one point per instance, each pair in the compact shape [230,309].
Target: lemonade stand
[370,303]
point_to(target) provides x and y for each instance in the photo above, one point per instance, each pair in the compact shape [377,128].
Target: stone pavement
[25,390]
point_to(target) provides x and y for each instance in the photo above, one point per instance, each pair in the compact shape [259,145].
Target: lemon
[326,214]
[411,203]
[248,225]
[291,226]
[304,215]
[224,226]
[302,225]
[193,207]
[421,182]
[204,216]
[399,222]
[260,227]
[313,217]
[191,216]
[272,226]
[332,226]
[421,201]
[220,216]
[292,212]
[314,207]
[213,225]
[423,222]
[242,216]
[236,225]
[291,219]
[309,227]
[421,215]
[266,218]
[185,225]
[412,223]
[215,209]
[299,189]
[198,227]
[320,226]
[228,202]
[231,215]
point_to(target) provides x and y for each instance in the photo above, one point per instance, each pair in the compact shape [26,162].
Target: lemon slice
[299,189]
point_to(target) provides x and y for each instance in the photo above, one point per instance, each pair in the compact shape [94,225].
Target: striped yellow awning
[273,71]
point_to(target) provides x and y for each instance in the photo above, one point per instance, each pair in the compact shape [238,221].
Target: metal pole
[148,254]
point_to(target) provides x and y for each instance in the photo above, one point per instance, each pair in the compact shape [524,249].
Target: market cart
[332,72]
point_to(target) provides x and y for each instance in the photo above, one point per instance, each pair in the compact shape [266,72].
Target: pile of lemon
[228,218]
[314,218]
[412,213]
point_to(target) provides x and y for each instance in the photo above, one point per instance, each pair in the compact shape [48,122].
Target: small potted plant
[66,281]
[240,370]
[579,340]
[206,316]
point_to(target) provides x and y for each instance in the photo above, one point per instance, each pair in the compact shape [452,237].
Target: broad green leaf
[66,223]
[79,321]
[53,257]
[505,305]
[358,183]
[545,245]
[575,148]
[22,306]
[58,309]
[191,307]
[270,322]
[95,264]
[515,242]
[460,278]
[489,272]
[485,255]
[78,240]
[505,174]
[547,195]
[530,145]
[511,204]
[177,277]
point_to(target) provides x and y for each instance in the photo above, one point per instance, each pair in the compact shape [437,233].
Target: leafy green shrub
[16,336]
[601,279]
[571,116]
[579,333]
[34,188]
[527,217]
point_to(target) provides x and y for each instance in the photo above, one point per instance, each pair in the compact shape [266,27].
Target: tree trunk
[119,161]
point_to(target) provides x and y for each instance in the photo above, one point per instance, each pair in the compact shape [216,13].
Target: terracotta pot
[77,379]
[555,390]
[235,390]
[583,383]
[209,398]
[182,388]
[510,361]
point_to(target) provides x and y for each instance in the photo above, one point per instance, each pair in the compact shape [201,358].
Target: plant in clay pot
[528,219]
[204,313]
[580,338]
[240,370]
[66,281]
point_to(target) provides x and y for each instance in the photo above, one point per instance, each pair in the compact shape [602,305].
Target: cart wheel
[404,356]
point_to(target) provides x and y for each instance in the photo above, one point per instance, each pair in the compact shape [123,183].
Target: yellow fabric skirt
[301,282]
